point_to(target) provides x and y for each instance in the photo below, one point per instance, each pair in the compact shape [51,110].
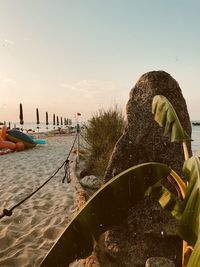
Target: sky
[69,56]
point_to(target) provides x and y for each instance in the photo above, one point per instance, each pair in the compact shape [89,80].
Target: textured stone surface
[143,138]
[138,237]
[158,262]
[91,181]
[147,232]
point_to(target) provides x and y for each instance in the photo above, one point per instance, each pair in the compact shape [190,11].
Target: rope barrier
[9,212]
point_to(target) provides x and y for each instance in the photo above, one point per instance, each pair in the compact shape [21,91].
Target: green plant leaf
[198,153]
[166,117]
[189,227]
[166,199]
[194,260]
[108,206]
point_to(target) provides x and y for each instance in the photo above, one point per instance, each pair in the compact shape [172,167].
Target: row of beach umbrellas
[56,120]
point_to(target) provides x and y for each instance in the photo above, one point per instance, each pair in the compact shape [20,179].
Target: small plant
[101,133]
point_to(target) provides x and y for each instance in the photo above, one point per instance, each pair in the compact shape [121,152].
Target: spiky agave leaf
[108,206]
[189,227]
[166,117]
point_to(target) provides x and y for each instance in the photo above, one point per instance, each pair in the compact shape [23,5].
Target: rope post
[78,141]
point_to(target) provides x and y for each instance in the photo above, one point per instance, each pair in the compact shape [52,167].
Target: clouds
[90,95]
[3,106]
[85,89]
[94,90]
[6,81]
[6,43]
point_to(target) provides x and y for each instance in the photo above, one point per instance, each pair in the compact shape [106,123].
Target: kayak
[7,145]
[18,136]
[39,141]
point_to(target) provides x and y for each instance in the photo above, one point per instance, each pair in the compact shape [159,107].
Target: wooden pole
[78,142]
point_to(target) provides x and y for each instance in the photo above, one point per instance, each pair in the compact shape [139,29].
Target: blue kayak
[15,135]
[39,141]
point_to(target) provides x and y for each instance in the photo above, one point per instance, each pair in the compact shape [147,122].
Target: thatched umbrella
[54,121]
[47,120]
[21,118]
[37,118]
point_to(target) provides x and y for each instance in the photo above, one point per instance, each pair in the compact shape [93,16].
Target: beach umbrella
[54,120]
[37,118]
[47,120]
[57,119]
[61,121]
[21,117]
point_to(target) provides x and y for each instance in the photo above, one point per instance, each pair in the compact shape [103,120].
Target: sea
[195,138]
[42,127]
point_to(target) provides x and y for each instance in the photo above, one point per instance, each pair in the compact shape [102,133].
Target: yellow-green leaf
[166,199]
[166,117]
[194,260]
[189,227]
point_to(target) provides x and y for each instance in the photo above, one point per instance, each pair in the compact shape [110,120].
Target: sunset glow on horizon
[79,56]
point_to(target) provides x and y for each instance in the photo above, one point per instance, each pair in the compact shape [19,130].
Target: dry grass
[101,133]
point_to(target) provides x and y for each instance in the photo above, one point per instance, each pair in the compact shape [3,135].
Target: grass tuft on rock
[101,134]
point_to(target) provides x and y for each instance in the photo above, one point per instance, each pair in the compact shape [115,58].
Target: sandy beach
[26,236]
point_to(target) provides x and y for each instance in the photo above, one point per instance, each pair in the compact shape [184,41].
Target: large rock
[148,231]
[158,262]
[143,138]
[91,181]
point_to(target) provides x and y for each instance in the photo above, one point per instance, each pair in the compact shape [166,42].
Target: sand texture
[28,234]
